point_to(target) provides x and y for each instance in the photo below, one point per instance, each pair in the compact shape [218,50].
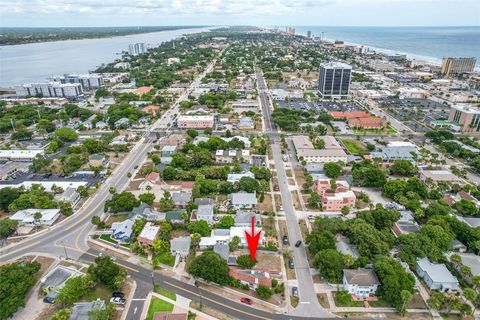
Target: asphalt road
[308,305]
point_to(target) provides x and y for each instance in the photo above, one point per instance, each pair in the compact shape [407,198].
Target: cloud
[175,7]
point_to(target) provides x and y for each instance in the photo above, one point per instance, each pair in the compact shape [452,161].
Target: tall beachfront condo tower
[451,66]
[334,79]
[137,48]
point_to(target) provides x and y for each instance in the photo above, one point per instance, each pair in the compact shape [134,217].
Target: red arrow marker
[252,240]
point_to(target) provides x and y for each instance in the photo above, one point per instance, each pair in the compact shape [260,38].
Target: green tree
[7,227]
[147,198]
[332,169]
[210,267]
[7,196]
[318,241]
[394,280]
[166,203]
[74,289]
[122,202]
[15,282]
[225,222]
[234,243]
[66,134]
[246,262]
[161,246]
[200,227]
[248,184]
[403,168]
[406,296]
[264,292]
[330,264]
[96,220]
[108,272]
[62,314]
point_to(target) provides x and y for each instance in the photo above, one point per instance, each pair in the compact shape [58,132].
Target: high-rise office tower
[334,79]
[309,34]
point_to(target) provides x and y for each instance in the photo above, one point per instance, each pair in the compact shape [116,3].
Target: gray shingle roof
[361,277]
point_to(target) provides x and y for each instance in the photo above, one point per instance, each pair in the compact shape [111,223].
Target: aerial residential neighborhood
[134,191]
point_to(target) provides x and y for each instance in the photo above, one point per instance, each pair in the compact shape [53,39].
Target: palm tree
[37,217]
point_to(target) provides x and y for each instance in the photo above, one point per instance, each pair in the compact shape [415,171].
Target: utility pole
[13,127]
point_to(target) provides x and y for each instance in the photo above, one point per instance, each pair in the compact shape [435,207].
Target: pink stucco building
[335,199]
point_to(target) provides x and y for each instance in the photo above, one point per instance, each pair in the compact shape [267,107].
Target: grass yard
[294,301]
[116,218]
[98,292]
[343,303]
[158,305]
[323,300]
[164,258]
[353,147]
[166,293]
[380,303]
[107,237]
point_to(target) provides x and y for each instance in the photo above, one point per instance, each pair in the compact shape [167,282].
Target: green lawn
[165,258]
[98,292]
[345,300]
[353,147]
[158,305]
[379,304]
[165,292]
[108,238]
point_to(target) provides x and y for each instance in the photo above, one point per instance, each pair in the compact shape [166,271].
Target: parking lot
[321,105]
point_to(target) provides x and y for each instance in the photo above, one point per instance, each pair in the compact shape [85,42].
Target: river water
[34,62]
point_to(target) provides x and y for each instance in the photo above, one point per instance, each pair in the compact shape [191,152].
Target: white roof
[20,154]
[401,144]
[335,64]
[149,231]
[436,272]
[65,184]
[27,215]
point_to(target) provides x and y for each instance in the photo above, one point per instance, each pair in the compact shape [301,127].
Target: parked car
[117,300]
[118,294]
[281,207]
[298,243]
[295,291]
[51,297]
[290,264]
[246,300]
[285,240]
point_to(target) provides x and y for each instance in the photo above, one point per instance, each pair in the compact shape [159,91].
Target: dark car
[290,264]
[246,300]
[51,297]
[298,243]
[295,291]
[285,240]
[118,294]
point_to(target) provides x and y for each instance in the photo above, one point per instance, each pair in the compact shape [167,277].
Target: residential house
[180,246]
[56,278]
[222,250]
[82,310]
[203,201]
[122,123]
[217,236]
[253,278]
[235,177]
[70,195]
[204,212]
[123,230]
[436,276]
[440,175]
[472,261]
[229,156]
[240,233]
[26,217]
[150,181]
[148,213]
[395,150]
[457,246]
[175,216]
[361,283]
[167,153]
[243,200]
[244,219]
[405,225]
[148,234]
[181,198]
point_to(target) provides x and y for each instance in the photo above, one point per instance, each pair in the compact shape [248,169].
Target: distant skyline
[87,13]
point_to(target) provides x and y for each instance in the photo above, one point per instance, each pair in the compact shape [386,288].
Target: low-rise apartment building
[195,122]
[305,150]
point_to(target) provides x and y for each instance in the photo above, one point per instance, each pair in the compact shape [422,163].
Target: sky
[57,13]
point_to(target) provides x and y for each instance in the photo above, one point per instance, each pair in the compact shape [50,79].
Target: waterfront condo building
[452,66]
[334,80]
[87,81]
[467,117]
[137,48]
[50,90]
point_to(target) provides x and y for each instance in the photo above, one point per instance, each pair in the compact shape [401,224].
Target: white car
[117,300]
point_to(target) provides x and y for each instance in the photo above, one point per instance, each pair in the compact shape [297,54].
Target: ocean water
[427,43]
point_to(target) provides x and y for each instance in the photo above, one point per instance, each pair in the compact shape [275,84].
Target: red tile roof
[369,122]
[253,277]
[349,115]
